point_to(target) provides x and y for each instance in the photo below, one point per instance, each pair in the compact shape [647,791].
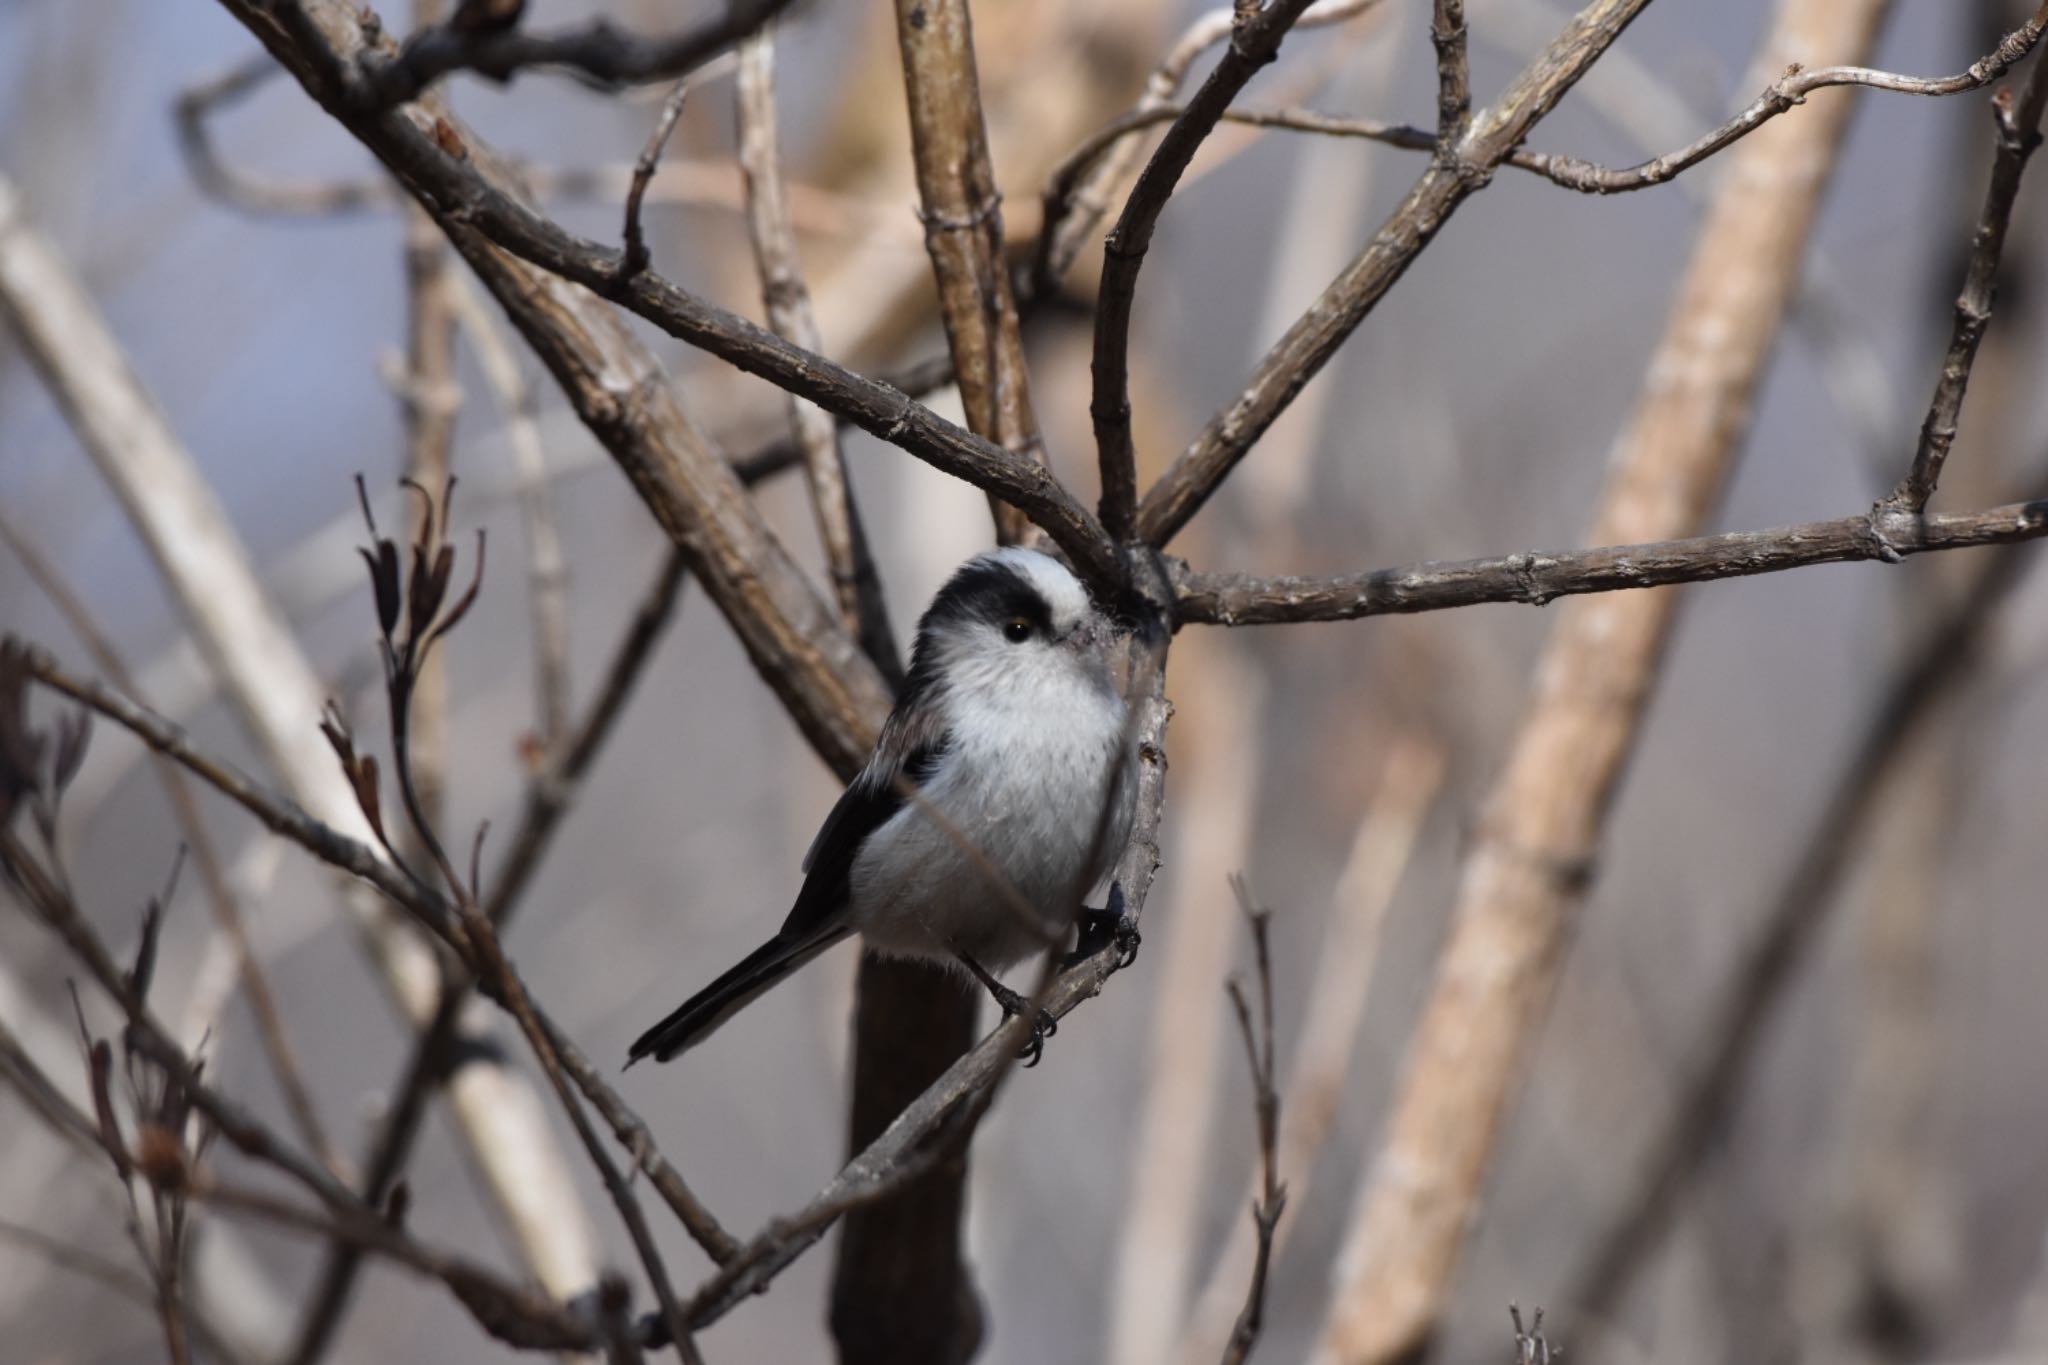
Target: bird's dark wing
[912,741]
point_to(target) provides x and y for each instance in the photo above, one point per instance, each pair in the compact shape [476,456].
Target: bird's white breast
[1014,834]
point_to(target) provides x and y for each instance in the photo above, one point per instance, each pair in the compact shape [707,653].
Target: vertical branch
[855,585]
[430,399]
[963,231]
[1159,1230]
[1528,871]
[1453,73]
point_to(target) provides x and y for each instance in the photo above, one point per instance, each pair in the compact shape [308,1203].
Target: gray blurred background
[1471,415]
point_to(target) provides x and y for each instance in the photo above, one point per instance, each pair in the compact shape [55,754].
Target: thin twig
[700,182]
[2019,133]
[511,1313]
[1336,1000]
[1787,92]
[636,256]
[281,816]
[1072,216]
[1253,43]
[1272,1199]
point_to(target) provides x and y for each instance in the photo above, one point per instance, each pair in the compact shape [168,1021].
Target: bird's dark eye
[1017,630]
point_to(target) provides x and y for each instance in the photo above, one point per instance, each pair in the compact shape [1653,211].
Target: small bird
[999,792]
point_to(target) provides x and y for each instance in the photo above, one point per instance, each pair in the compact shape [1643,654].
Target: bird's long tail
[698,1017]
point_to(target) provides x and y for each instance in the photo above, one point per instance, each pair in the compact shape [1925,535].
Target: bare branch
[635,258]
[1536,579]
[227,908]
[512,1313]
[281,816]
[963,229]
[1453,73]
[1336,1001]
[1254,42]
[1787,92]
[597,52]
[2019,133]
[277,698]
[705,183]
[1074,206]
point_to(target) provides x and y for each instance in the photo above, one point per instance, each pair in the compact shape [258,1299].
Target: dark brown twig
[2019,133]
[1786,93]
[511,1313]
[1253,43]
[598,52]
[1069,222]
[636,255]
[1536,579]
[1453,73]
[405,661]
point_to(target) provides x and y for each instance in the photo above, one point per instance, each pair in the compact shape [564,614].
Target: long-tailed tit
[999,792]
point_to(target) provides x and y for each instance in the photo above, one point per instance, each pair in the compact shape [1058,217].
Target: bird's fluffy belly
[916,891]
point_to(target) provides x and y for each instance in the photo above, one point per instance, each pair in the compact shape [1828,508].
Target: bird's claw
[1043,1027]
